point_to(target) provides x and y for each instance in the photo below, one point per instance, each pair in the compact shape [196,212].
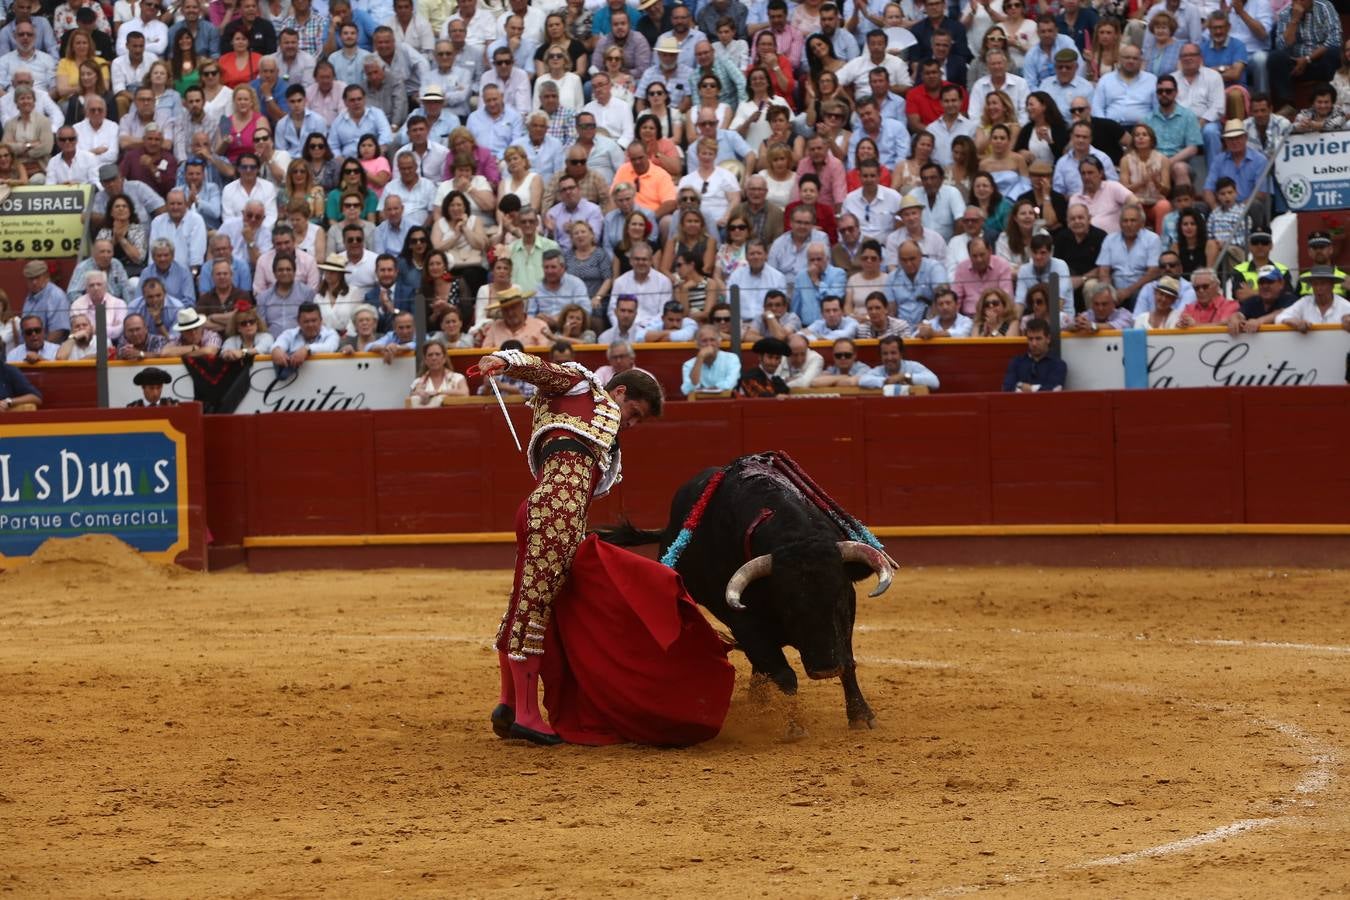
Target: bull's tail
[625,534]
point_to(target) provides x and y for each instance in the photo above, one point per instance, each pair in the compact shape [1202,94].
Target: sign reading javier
[1313,171]
[127,479]
[43,221]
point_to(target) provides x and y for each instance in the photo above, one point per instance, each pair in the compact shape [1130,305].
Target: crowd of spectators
[284,177]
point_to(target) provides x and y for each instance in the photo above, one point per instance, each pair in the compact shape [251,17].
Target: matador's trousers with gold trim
[550,525]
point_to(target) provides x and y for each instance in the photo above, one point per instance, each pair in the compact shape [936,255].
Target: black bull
[784,579]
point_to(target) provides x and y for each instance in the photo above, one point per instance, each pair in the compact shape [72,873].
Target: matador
[574,456]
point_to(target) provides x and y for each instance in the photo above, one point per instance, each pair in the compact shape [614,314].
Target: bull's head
[851,551]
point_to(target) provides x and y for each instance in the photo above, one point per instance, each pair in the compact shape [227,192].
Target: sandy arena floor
[1041,733]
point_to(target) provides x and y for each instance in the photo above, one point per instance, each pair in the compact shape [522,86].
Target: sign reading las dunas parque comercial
[1313,171]
[42,222]
[65,479]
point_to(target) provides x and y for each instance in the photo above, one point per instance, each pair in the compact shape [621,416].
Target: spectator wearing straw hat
[1321,307]
[515,323]
[191,337]
[1238,162]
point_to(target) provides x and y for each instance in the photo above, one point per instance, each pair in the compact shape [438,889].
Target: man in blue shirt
[1126,95]
[15,389]
[310,335]
[832,324]
[1238,162]
[713,369]
[46,301]
[358,119]
[816,281]
[896,370]
[890,135]
[914,283]
[1035,370]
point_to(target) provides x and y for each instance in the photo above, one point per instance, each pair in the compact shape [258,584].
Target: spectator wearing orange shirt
[655,189]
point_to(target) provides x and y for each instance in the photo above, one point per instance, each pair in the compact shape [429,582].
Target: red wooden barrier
[1184,456]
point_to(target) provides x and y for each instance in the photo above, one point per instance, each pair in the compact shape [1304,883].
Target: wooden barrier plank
[821,437]
[1052,457]
[310,473]
[926,461]
[419,483]
[1159,437]
[1295,454]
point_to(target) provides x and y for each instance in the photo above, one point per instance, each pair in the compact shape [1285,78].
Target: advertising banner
[128,479]
[323,383]
[43,222]
[1212,358]
[1313,171]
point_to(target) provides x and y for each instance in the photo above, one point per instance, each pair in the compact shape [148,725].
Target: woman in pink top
[236,131]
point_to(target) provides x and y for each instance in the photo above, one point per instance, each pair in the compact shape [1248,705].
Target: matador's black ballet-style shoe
[503,717]
[535,737]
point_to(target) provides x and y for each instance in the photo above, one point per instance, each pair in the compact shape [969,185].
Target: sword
[505,415]
[492,380]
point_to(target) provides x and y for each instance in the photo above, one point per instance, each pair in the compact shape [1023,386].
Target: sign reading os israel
[125,479]
[1313,171]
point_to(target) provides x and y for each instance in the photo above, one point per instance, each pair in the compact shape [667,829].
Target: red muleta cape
[629,657]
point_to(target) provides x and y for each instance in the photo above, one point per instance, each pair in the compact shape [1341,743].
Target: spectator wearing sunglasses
[35,347]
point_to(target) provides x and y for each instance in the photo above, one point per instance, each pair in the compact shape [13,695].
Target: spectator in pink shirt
[819,161]
[1104,199]
[981,272]
[1209,307]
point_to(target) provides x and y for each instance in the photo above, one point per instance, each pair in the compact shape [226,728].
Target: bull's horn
[857,551]
[755,568]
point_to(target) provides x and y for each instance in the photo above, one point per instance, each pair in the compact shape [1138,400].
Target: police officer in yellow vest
[1258,258]
[1319,246]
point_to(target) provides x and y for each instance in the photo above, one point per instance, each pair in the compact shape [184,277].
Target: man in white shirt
[999,79]
[248,187]
[96,135]
[513,81]
[755,279]
[183,227]
[25,55]
[417,192]
[854,73]
[949,125]
[652,288]
[480,25]
[131,66]
[42,101]
[146,23]
[931,243]
[71,165]
[611,114]
[296,66]
[411,29]
[1200,89]
[873,205]
[942,203]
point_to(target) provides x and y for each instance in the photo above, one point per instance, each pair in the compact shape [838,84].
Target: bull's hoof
[502,718]
[862,723]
